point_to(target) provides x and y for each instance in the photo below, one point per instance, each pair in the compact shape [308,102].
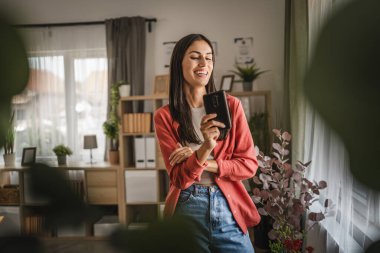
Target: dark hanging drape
[125,41]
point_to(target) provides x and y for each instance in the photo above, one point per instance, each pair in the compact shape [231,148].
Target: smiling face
[197,64]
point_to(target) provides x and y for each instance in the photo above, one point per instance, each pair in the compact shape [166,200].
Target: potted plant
[9,155]
[248,74]
[61,151]
[111,126]
[124,89]
[283,193]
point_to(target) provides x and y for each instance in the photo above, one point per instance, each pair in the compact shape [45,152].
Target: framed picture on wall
[227,82]
[28,156]
[161,85]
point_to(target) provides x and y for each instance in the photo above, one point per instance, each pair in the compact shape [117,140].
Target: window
[66,98]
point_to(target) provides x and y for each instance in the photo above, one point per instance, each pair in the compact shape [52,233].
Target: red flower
[288,244]
[309,249]
[294,245]
[297,245]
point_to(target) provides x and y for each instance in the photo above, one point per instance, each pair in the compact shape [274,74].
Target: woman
[206,162]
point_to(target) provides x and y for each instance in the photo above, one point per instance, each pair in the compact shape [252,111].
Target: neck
[194,96]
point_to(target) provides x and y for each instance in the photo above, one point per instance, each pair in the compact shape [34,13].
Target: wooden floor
[88,246]
[78,245]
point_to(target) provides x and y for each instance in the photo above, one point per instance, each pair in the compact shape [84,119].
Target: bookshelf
[145,185]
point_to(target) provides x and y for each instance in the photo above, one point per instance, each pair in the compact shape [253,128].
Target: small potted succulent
[61,151]
[248,74]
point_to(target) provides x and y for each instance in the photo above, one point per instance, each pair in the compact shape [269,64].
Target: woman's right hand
[180,154]
[210,130]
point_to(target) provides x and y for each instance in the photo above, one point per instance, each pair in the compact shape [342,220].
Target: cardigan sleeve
[243,163]
[184,174]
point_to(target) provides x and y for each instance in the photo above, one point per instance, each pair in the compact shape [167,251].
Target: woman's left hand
[180,154]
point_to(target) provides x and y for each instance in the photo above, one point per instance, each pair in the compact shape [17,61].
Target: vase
[9,159]
[261,231]
[247,86]
[125,90]
[61,159]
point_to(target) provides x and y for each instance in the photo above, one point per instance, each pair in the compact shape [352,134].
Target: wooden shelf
[249,93]
[132,208]
[143,98]
[142,203]
[139,169]
[137,134]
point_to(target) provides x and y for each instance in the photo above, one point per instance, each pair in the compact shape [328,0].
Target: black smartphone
[216,102]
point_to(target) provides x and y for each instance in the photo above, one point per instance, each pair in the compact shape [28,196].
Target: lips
[201,73]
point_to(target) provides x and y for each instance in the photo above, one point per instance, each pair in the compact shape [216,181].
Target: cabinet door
[101,187]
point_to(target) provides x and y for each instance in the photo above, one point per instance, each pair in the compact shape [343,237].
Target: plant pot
[9,159]
[247,86]
[261,231]
[125,90]
[113,157]
[61,160]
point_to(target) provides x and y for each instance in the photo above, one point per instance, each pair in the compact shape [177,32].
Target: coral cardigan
[235,157]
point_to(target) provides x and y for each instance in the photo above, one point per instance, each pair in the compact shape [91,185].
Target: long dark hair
[179,107]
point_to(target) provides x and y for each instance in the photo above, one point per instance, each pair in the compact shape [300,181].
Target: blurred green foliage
[343,85]
[176,234]
[14,70]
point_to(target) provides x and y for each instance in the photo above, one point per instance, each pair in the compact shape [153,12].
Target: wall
[219,20]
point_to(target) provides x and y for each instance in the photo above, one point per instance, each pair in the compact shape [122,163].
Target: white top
[207,178]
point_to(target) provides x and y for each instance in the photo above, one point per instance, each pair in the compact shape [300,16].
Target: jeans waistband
[202,189]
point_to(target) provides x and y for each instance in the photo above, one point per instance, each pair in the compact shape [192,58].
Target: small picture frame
[227,82]
[161,85]
[28,156]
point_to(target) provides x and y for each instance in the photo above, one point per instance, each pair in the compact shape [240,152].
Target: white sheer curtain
[66,96]
[355,223]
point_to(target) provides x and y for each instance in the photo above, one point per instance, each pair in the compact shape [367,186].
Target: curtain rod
[148,20]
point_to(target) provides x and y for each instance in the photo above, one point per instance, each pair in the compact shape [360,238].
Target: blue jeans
[217,228]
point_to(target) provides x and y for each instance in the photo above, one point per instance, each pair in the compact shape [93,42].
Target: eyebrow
[198,52]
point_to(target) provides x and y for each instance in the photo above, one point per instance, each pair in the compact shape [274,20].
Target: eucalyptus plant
[285,194]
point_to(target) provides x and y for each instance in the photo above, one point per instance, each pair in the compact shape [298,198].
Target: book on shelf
[145,152]
[147,122]
[150,152]
[140,157]
[137,122]
[77,186]
[34,225]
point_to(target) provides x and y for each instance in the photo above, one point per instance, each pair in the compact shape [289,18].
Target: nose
[202,62]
